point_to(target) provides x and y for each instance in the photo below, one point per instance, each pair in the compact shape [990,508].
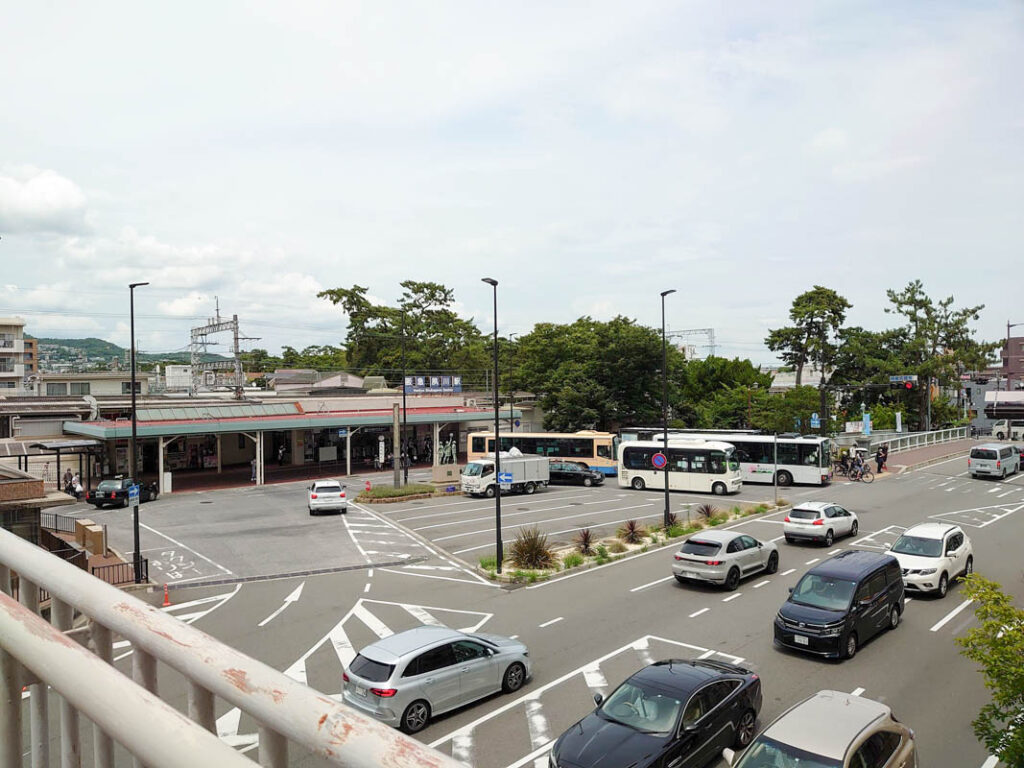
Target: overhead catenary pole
[405,463]
[137,557]
[396,447]
[499,548]
[664,400]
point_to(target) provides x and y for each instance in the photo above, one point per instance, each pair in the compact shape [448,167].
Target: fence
[920,439]
[129,711]
[120,573]
[54,522]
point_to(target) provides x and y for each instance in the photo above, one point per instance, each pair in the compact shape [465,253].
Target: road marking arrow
[287,601]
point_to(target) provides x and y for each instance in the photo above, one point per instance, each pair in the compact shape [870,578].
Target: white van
[1012,429]
[993,460]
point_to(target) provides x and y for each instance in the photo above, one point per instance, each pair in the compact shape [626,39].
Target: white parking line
[786,573]
[991,762]
[812,561]
[950,616]
[761,584]
[549,623]
[651,583]
[837,549]
[695,614]
[546,520]
[731,597]
[856,691]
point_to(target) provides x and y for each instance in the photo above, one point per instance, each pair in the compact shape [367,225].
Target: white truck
[527,474]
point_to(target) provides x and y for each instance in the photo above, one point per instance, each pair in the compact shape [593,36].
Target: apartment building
[12,356]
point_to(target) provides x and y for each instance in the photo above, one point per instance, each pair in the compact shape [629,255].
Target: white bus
[800,459]
[693,465]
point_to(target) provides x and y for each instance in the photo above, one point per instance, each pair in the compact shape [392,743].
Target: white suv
[327,496]
[819,521]
[931,554]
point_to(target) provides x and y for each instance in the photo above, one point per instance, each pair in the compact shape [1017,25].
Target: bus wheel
[639,484]
[785,479]
[718,489]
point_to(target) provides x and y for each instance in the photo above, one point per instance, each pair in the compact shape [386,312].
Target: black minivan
[842,603]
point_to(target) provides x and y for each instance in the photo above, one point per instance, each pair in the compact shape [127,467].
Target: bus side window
[604,451]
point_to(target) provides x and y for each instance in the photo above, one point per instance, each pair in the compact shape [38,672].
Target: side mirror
[791,590]
[689,727]
[728,755]
[887,545]
[760,545]
[598,698]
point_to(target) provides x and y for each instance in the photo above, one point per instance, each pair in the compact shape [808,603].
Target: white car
[327,496]
[822,521]
[931,554]
[723,557]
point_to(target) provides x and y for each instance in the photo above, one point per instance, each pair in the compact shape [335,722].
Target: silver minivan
[993,460]
[406,678]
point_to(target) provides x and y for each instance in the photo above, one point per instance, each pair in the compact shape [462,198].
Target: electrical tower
[708,333]
[204,374]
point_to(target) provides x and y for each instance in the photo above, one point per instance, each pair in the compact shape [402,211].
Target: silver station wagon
[405,679]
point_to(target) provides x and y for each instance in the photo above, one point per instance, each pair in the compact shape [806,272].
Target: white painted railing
[128,711]
[912,440]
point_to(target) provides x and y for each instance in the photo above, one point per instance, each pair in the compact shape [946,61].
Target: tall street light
[403,454]
[498,552]
[511,392]
[664,395]
[137,559]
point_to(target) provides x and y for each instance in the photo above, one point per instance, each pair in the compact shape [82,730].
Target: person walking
[885,458]
[253,465]
[879,459]
[280,455]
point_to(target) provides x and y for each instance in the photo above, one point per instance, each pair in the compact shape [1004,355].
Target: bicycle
[863,475]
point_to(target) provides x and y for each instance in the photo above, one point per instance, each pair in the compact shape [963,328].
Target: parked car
[723,557]
[993,460]
[571,473]
[931,554]
[678,712]
[405,679]
[846,731]
[840,604]
[114,491]
[821,521]
[327,496]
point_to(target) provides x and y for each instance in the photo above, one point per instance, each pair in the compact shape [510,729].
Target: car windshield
[826,592]
[734,462]
[109,485]
[769,753]
[981,453]
[473,470]
[916,545]
[368,669]
[804,514]
[327,488]
[697,547]
[648,710]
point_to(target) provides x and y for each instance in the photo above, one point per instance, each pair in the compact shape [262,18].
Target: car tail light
[384,693]
[678,557]
[786,519]
[312,495]
[968,462]
[343,494]
[999,464]
[344,676]
[713,562]
[819,521]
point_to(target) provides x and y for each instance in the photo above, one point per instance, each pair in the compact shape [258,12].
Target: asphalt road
[588,631]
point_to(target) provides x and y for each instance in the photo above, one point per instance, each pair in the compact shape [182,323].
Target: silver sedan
[723,558]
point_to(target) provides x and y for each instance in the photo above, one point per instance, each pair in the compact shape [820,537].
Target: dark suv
[841,603]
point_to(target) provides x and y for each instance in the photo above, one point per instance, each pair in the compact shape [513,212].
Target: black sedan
[677,712]
[115,492]
[571,473]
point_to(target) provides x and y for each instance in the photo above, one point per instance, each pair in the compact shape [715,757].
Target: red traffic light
[908,384]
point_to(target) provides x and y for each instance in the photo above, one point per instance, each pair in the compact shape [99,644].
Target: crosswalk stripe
[422,616]
[379,627]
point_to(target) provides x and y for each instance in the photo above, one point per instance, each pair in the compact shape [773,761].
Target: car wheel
[514,678]
[829,538]
[785,479]
[999,436]
[943,585]
[894,618]
[854,528]
[773,563]
[638,484]
[745,730]
[733,579]
[851,645]
[489,493]
[790,539]
[969,568]
[311,512]
[587,482]
[679,578]
[415,717]
[719,489]
[530,488]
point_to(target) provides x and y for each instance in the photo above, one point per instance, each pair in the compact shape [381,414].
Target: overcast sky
[587,155]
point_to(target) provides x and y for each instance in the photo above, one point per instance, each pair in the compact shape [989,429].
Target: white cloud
[35,200]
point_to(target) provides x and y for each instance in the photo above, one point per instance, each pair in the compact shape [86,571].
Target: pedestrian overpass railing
[911,440]
[76,662]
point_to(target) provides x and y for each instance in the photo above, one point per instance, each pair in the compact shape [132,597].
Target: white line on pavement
[651,583]
[595,678]
[695,614]
[991,762]
[706,655]
[291,598]
[183,546]
[812,561]
[366,588]
[546,520]
[549,623]
[462,748]
[442,578]
[761,584]
[950,616]
[731,597]
[837,549]
[786,573]
[537,723]
[379,628]
[857,692]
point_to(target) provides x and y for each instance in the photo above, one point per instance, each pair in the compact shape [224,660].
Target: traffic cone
[167,597]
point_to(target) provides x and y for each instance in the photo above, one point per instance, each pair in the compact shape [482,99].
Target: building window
[6,385]
[6,365]
[56,389]
[79,387]
[29,356]
[126,387]
[7,340]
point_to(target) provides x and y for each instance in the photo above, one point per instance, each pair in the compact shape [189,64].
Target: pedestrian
[280,455]
[76,486]
[67,477]
[253,465]
[885,457]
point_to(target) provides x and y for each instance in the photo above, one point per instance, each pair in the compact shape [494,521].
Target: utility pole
[405,463]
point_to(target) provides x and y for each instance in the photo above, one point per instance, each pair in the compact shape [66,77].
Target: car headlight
[927,571]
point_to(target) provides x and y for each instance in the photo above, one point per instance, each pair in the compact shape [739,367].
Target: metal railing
[920,439]
[129,711]
[54,522]
[120,573]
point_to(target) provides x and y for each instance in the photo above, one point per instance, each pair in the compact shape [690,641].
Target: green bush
[530,549]
[736,512]
[632,532]
[617,547]
[387,492]
[675,531]
[572,560]
[584,541]
[488,562]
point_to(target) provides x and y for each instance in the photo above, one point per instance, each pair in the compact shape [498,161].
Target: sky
[586,155]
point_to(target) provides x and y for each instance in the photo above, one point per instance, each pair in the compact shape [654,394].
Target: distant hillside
[93,348]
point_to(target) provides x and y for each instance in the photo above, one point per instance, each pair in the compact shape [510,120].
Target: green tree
[260,361]
[997,646]
[791,344]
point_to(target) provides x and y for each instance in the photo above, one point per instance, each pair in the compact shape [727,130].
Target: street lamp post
[137,558]
[664,396]
[499,547]
[402,452]
[511,394]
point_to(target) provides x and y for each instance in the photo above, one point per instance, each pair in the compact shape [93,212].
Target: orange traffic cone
[167,597]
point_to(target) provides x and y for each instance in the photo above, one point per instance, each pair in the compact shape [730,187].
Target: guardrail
[129,711]
[120,573]
[920,439]
[54,522]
